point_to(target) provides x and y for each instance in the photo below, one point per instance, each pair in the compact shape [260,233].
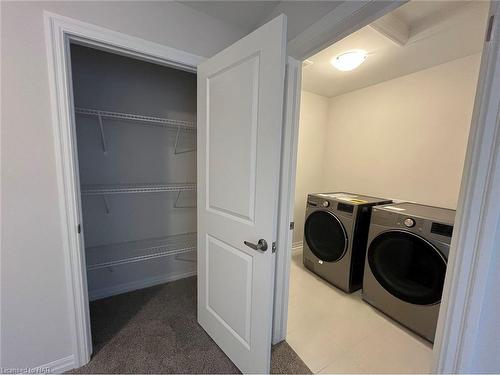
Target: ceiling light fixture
[349,60]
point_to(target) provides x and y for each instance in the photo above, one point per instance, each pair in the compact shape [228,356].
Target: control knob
[409,223]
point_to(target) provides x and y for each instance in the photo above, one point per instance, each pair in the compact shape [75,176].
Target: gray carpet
[154,330]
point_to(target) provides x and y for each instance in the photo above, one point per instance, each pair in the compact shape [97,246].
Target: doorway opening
[135,124]
[383,131]
[135,151]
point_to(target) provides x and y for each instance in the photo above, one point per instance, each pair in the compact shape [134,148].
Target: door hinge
[292,225]
[79,228]
[489,30]
[274,247]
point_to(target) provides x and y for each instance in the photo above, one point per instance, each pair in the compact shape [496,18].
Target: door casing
[60,31]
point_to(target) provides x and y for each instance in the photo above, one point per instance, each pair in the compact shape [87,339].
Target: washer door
[325,235]
[408,267]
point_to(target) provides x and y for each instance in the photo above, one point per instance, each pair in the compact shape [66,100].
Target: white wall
[401,139]
[35,326]
[311,154]
[404,138]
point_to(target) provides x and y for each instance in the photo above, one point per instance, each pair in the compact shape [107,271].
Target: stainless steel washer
[335,235]
[408,246]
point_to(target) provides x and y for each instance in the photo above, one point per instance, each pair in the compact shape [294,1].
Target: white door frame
[339,23]
[478,210]
[289,143]
[59,32]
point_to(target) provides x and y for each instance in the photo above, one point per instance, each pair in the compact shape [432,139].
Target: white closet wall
[129,229]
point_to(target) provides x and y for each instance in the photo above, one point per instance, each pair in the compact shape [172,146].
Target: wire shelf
[146,120]
[136,251]
[136,188]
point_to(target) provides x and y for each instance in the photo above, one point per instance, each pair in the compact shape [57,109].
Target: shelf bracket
[101,128]
[106,205]
[176,204]
[176,151]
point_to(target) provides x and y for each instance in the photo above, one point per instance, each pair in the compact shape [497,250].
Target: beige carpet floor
[154,330]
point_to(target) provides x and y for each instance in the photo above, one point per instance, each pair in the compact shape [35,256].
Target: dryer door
[325,235]
[407,266]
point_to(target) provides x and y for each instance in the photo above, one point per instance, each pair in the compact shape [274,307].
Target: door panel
[233,94]
[225,261]
[240,107]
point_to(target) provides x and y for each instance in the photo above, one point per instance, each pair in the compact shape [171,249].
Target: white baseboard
[128,287]
[296,246]
[56,367]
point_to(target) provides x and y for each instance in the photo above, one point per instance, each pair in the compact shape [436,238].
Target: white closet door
[240,106]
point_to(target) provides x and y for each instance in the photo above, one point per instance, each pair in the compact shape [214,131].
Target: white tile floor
[335,332]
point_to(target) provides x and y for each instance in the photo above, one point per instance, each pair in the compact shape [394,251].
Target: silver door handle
[261,245]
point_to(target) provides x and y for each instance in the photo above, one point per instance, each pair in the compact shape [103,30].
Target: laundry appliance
[406,257]
[335,235]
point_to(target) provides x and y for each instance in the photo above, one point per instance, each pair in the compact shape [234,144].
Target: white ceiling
[248,15]
[429,33]
[244,14]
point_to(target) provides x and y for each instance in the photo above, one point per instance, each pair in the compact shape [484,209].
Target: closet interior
[136,140]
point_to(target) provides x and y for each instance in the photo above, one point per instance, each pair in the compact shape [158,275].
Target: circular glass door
[325,235]
[408,267]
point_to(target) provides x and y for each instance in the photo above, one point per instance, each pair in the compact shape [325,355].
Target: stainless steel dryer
[335,234]
[408,246]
